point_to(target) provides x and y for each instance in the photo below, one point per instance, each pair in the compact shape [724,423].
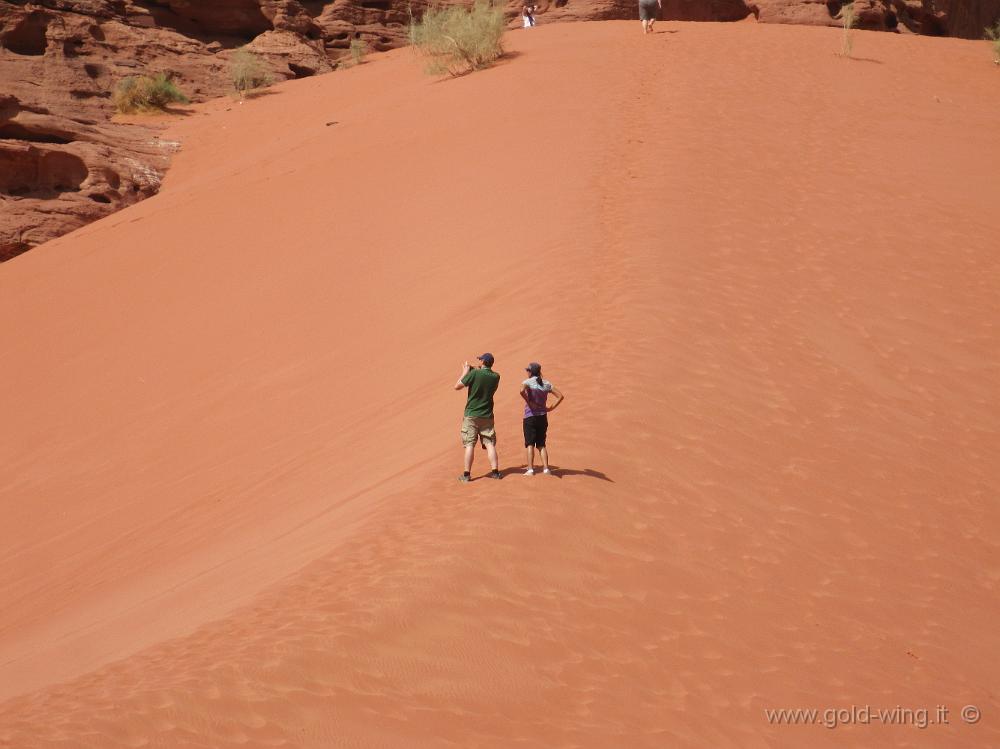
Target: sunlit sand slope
[766,279]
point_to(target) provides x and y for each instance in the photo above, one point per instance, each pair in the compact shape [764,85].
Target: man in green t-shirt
[477,424]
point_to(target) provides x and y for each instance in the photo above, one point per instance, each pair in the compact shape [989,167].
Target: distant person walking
[535,392]
[477,424]
[648,11]
[528,15]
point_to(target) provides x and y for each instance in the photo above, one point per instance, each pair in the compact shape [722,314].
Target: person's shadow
[559,473]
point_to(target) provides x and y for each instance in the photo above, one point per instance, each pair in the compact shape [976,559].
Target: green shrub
[848,18]
[248,72]
[358,51]
[459,40]
[993,34]
[141,93]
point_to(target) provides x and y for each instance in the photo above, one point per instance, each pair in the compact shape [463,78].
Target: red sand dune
[764,276]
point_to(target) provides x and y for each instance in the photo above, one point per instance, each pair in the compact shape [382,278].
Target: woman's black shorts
[535,428]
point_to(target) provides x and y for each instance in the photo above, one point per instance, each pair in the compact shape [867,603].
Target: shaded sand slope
[766,279]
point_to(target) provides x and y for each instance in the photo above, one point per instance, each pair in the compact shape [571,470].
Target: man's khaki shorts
[474,428]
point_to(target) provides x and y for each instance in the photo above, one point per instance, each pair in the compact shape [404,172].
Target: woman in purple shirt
[535,392]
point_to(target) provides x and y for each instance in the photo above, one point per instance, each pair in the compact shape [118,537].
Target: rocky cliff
[64,162]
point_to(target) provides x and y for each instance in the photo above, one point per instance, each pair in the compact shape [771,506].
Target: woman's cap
[486,359]
[534,369]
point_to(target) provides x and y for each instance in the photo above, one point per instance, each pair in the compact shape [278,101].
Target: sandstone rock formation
[64,162]
[963,18]
[58,172]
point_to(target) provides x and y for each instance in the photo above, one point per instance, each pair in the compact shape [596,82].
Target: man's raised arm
[465,371]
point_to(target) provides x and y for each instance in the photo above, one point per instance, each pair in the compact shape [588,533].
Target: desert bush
[459,40]
[993,34]
[358,51]
[140,93]
[248,72]
[847,17]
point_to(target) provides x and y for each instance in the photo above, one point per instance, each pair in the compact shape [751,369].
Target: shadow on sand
[177,111]
[505,59]
[558,472]
[260,93]
[865,59]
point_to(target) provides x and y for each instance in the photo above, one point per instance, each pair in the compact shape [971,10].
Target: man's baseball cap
[486,359]
[534,369]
